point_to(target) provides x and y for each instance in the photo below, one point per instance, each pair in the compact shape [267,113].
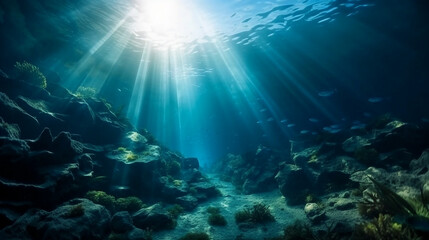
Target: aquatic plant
[217,220]
[175,211]
[130,157]
[258,213]
[367,156]
[383,227]
[121,149]
[177,182]
[195,236]
[75,211]
[31,73]
[213,210]
[298,230]
[101,198]
[130,204]
[370,205]
[85,92]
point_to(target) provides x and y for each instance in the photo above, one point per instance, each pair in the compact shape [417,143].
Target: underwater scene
[214,119]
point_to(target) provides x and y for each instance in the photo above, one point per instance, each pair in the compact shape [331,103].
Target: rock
[334,181]
[9,130]
[137,234]
[121,222]
[293,183]
[315,212]
[153,217]
[344,204]
[421,165]
[301,158]
[190,163]
[43,141]
[173,189]
[76,219]
[204,190]
[135,141]
[85,163]
[187,202]
[65,147]
[354,143]
[14,114]
[400,157]
[261,183]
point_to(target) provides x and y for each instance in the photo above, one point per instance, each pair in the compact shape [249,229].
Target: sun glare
[168,22]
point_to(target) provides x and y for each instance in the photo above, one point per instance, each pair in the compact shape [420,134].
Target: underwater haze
[135,97]
[212,77]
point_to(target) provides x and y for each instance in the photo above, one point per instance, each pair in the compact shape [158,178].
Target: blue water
[212,77]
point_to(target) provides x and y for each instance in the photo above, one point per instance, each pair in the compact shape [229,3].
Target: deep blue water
[225,76]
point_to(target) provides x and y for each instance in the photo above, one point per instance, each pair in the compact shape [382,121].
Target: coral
[258,213]
[175,211]
[101,198]
[31,73]
[383,227]
[367,156]
[130,204]
[217,220]
[195,236]
[85,92]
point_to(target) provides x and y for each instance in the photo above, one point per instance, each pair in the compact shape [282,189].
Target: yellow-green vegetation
[367,156]
[175,211]
[258,213]
[195,236]
[130,204]
[121,149]
[31,73]
[75,211]
[102,198]
[177,183]
[383,227]
[313,159]
[130,157]
[85,92]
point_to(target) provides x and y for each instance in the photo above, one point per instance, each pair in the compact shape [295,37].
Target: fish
[263,110]
[283,121]
[304,131]
[270,119]
[259,122]
[327,93]
[313,120]
[375,99]
[291,125]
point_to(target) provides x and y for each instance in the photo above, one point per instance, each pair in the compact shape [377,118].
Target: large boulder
[76,219]
[154,217]
[294,183]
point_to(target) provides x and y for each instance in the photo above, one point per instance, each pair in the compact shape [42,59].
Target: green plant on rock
[130,204]
[85,92]
[383,227]
[258,213]
[121,149]
[175,211]
[75,211]
[195,236]
[102,198]
[31,73]
[131,157]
